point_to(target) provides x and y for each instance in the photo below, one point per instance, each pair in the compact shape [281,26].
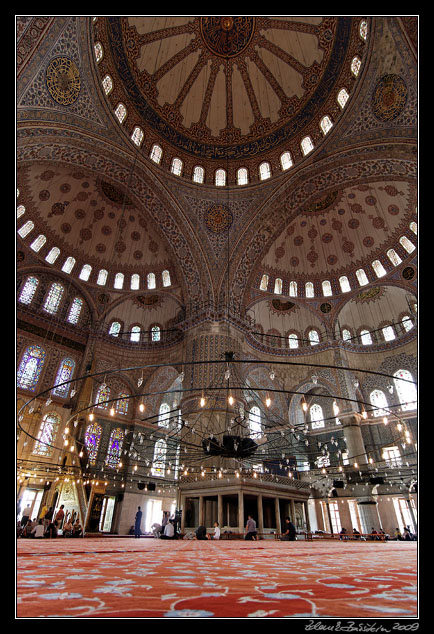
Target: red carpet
[150,578]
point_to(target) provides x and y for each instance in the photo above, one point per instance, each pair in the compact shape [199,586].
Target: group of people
[49,523]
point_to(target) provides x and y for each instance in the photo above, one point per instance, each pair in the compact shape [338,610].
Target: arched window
[308,289]
[102,396]
[115,448]
[361,277]
[413,227]
[122,403]
[102,277]
[316,416]
[26,229]
[407,392]
[163,415]
[255,425]
[220,178]
[135,334]
[54,297]
[20,211]
[159,461]
[47,435]
[264,170]
[119,280]
[135,282]
[121,112]
[114,329]
[326,288]
[278,286]
[52,255]
[313,337]
[393,257]
[242,176]
[326,124]
[155,333]
[166,278]
[151,280]
[107,84]
[68,265]
[407,322]
[98,52]
[75,310]
[85,272]
[344,284]
[342,97]
[38,243]
[28,290]
[64,373]
[198,174]
[30,368]
[286,160]
[388,333]
[378,401]
[306,145]
[137,136]
[264,283]
[156,154]
[355,65]
[346,335]
[378,268]
[92,439]
[293,340]
[176,167]
[366,338]
[363,30]
[293,289]
[407,244]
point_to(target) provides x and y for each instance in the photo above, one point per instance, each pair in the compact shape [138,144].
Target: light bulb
[268,401]
[202,402]
[364,414]
[304,406]
[112,411]
[385,420]
[91,416]
[141,407]
[231,400]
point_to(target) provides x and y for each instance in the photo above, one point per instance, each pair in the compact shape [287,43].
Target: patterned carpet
[150,578]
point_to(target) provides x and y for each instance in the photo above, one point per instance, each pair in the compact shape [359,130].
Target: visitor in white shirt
[169,531]
[216,531]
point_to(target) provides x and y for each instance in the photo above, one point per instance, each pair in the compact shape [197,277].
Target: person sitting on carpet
[289,534]
[156,530]
[200,532]
[38,530]
[216,532]
[77,531]
[52,529]
[67,528]
[169,531]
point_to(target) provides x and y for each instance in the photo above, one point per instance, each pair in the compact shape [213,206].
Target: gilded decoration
[63,80]
[227,36]
[370,294]
[218,218]
[408,273]
[389,97]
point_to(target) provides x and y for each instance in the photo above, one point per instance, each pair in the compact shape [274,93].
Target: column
[368,513]
[241,524]
[260,515]
[292,505]
[354,439]
[410,510]
[277,508]
[220,509]
[201,511]
[306,515]
[182,507]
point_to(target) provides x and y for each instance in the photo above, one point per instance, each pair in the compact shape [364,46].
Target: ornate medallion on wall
[63,80]
[227,36]
[326,307]
[408,273]
[218,218]
[389,97]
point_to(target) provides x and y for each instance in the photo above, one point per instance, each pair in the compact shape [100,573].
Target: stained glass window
[407,244]
[176,167]
[355,65]
[30,368]
[326,124]
[47,434]
[65,372]
[102,277]
[313,337]
[38,243]
[293,340]
[115,448]
[306,145]
[378,268]
[309,289]
[388,333]
[159,461]
[393,257]
[363,30]
[85,272]
[151,280]
[68,265]
[413,227]
[28,290]
[20,210]
[278,286]
[198,174]
[366,338]
[102,396]
[342,97]
[344,284]
[75,310]
[361,277]
[163,415]
[326,288]
[121,112]
[54,297]
[293,289]
[122,403]
[115,328]
[137,136]
[264,171]
[135,334]
[346,335]
[155,333]
[242,176]
[52,255]
[107,84]
[92,439]
[255,426]
[407,322]
[119,280]
[156,154]
[166,278]
[407,392]
[220,178]
[286,160]
[316,416]
[98,52]
[26,229]
[264,283]
[135,282]
[378,401]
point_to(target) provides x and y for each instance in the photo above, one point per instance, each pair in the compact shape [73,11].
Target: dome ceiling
[228,88]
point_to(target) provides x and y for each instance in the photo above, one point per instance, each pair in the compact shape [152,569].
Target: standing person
[43,511]
[26,515]
[138,521]
[48,517]
[290,531]
[250,529]
[59,516]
